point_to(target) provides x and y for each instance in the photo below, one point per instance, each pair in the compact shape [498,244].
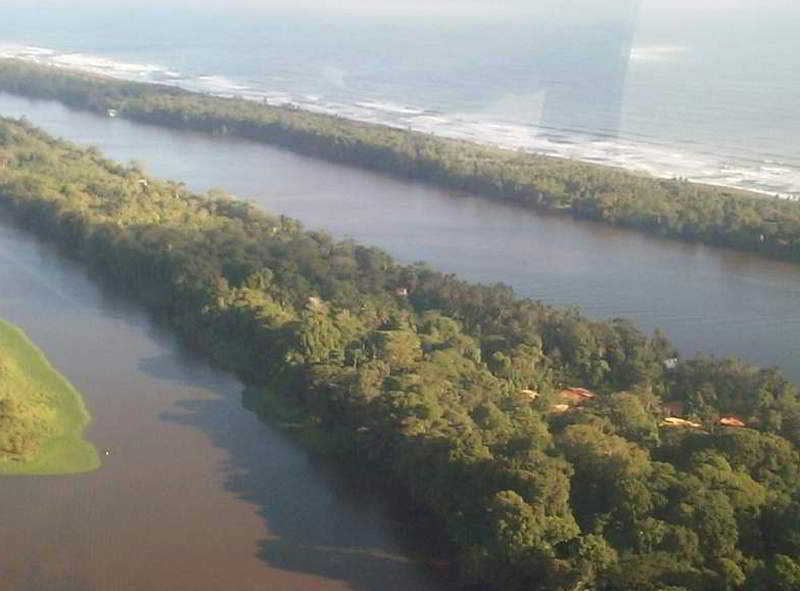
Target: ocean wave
[211,84]
[389,108]
[664,161]
[89,63]
[24,51]
[640,154]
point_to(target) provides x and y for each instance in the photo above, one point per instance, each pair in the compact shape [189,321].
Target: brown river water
[198,494]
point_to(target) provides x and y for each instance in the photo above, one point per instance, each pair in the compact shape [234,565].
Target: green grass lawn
[42,417]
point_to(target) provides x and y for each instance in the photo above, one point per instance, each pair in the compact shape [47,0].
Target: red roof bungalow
[732,422]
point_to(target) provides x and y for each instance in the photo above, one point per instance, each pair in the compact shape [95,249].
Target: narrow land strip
[552,452]
[667,207]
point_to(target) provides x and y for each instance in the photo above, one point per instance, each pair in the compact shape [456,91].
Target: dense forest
[555,452]
[673,208]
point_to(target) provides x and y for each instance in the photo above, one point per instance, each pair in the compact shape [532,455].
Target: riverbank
[670,208]
[455,389]
[42,416]
[282,518]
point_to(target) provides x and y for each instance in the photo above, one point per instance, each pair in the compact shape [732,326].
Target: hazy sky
[426,6]
[663,15]
[452,8]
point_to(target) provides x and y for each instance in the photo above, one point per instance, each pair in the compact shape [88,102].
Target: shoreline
[174,82]
[467,396]
[674,208]
[617,152]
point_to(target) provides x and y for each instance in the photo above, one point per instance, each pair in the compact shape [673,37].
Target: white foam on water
[88,63]
[9,50]
[212,84]
[389,108]
[768,176]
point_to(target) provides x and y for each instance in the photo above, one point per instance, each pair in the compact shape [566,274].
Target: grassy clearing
[42,416]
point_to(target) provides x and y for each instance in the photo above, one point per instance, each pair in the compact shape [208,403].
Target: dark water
[708,299]
[199,494]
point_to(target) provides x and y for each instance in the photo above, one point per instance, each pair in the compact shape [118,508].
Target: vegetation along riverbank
[667,207]
[554,452]
[42,417]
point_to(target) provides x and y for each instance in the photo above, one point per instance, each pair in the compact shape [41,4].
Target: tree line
[668,207]
[553,451]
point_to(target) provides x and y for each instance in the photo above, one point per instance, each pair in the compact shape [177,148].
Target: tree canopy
[668,207]
[536,438]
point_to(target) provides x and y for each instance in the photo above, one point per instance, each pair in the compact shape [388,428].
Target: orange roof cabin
[576,396]
[732,422]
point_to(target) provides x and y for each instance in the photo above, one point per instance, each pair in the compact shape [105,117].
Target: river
[713,300]
[197,493]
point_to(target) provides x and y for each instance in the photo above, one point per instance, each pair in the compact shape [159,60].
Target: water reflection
[748,305]
[586,67]
[320,519]
[198,493]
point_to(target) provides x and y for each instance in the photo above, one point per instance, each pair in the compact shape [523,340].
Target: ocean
[670,89]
